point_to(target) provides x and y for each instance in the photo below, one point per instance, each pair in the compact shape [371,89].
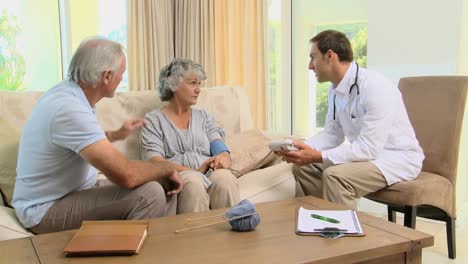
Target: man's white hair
[94,56]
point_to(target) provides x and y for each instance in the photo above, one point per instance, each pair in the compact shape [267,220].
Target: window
[84,18]
[38,38]
[297,103]
[29,45]
[279,66]
[310,17]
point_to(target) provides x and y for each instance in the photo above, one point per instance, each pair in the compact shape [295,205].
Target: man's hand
[205,165]
[127,128]
[221,161]
[302,156]
[176,182]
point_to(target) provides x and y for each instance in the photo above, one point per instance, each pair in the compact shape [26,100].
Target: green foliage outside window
[12,63]
[359,44]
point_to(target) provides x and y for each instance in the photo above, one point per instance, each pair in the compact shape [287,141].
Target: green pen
[324,218]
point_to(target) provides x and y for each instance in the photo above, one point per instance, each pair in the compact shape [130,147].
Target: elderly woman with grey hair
[190,140]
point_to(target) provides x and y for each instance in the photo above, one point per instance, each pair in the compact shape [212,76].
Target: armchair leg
[451,240]
[391,214]
[410,216]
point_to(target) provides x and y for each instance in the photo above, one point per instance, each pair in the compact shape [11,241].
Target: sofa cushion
[112,112]
[249,151]
[229,107]
[16,107]
[8,156]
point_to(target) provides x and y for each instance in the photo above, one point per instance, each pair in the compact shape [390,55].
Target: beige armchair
[435,107]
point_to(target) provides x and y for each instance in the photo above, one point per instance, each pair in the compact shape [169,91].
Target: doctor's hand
[302,156]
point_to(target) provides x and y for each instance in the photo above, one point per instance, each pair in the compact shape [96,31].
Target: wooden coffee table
[273,241]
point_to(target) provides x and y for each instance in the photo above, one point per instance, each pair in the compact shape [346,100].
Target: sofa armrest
[10,227]
[268,184]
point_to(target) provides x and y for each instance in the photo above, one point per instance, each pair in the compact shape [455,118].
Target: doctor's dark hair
[336,41]
[172,74]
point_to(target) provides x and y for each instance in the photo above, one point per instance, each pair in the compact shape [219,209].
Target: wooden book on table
[96,238]
[318,222]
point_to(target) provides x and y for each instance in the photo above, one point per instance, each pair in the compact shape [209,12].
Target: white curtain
[194,34]
[150,41]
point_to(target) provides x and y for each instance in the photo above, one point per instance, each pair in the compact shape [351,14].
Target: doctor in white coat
[365,108]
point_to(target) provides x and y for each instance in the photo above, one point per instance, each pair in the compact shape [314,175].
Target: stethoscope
[350,90]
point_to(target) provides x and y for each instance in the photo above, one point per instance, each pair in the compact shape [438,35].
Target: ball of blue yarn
[248,223]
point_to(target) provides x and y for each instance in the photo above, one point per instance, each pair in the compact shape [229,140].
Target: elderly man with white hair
[62,147]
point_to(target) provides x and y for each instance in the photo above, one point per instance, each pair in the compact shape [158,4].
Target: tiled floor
[436,254]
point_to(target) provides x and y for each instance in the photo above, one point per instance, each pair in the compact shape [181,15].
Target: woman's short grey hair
[94,56]
[172,74]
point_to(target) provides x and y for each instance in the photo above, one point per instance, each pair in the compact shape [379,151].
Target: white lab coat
[376,125]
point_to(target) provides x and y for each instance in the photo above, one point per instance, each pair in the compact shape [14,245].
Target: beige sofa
[229,105]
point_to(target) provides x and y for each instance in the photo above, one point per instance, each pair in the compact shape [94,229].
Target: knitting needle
[196,227]
[206,217]
[214,223]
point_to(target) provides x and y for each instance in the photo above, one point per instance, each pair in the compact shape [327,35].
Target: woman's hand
[205,165]
[221,161]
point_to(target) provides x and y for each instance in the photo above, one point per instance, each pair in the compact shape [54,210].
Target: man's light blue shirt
[61,124]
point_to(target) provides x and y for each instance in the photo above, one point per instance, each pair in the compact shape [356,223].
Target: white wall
[417,37]
[463,47]
[462,191]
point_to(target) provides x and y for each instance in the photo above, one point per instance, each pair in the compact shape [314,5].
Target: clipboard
[319,227]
